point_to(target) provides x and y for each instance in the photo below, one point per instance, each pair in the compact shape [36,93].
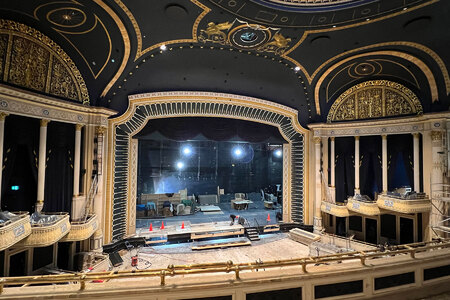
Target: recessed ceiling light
[163,47]
[367,19]
[297,68]
[334,26]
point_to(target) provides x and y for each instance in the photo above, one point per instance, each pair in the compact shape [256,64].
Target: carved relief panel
[374,99]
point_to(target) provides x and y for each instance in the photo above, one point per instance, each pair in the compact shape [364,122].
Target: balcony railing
[337,209]
[401,205]
[14,230]
[369,208]
[48,233]
[81,230]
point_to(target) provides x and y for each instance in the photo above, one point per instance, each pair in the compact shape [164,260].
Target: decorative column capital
[44,122]
[317,140]
[3,116]
[357,137]
[416,134]
[100,130]
[78,127]
[384,136]
[436,135]
[332,138]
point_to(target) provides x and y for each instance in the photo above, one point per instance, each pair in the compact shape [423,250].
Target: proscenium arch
[122,162]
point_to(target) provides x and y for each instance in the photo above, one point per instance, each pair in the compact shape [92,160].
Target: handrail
[225,267]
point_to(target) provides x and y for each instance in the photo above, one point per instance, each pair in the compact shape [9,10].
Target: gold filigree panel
[374,99]
[32,60]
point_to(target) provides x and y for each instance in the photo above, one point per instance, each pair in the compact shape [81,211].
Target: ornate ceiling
[303,54]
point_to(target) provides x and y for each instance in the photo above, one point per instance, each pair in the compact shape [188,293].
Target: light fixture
[180,165]
[163,47]
[238,152]
[297,68]
[187,150]
[278,153]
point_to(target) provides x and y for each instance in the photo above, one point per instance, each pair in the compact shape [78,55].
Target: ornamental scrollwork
[245,36]
[374,99]
[32,60]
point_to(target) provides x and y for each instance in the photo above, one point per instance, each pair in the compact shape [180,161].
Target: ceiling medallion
[66,17]
[243,35]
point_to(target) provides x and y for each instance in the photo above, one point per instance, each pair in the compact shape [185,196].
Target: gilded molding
[78,127]
[436,135]
[65,80]
[3,116]
[44,122]
[374,99]
[100,130]
[317,140]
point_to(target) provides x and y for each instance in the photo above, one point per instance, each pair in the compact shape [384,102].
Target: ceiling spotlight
[163,47]
[278,153]
[367,19]
[187,150]
[334,26]
[297,68]
[405,8]
[238,152]
[180,165]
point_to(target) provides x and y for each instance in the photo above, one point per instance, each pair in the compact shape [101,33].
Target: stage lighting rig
[187,150]
[238,152]
[278,153]
[180,165]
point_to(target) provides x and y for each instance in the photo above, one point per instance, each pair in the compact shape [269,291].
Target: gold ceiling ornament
[245,36]
[32,60]
[374,99]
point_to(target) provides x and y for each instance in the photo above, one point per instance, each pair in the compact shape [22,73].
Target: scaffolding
[440,201]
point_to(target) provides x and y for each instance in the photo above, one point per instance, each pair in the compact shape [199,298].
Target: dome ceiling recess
[302,54]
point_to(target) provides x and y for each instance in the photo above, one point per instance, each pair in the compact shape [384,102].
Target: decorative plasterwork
[245,36]
[18,102]
[80,231]
[32,60]
[365,208]
[148,106]
[14,232]
[374,99]
[334,209]
[405,206]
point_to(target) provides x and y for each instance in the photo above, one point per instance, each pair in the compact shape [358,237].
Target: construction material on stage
[213,213]
[207,199]
[156,240]
[268,204]
[209,208]
[115,259]
[303,237]
[222,243]
[240,204]
[252,233]
[119,245]
[159,199]
[217,233]
[271,228]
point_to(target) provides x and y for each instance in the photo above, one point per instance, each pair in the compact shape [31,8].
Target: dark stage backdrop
[400,161]
[345,169]
[212,163]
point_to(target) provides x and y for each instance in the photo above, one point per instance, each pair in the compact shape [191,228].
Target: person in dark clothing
[232,217]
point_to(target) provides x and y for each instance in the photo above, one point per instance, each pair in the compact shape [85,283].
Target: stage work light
[187,150]
[180,165]
[278,153]
[238,152]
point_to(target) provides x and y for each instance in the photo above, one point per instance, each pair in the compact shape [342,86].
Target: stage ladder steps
[252,233]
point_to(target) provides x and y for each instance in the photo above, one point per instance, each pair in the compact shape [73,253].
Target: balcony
[404,205]
[363,205]
[48,233]
[337,209]
[14,230]
[81,230]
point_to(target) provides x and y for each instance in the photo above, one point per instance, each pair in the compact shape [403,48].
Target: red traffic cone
[268,217]
[182,225]
[151,227]
[162,225]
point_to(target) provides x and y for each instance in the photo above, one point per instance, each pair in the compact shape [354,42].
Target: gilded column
[76,160]
[41,164]
[416,162]
[357,190]
[97,239]
[2,134]
[437,178]
[333,168]
[384,163]
[318,200]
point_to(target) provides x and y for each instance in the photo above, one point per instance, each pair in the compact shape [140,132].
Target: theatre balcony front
[417,204]
[338,209]
[46,229]
[14,228]
[363,205]
[82,229]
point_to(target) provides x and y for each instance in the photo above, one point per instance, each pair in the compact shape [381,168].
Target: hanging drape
[400,161]
[345,171]
[370,169]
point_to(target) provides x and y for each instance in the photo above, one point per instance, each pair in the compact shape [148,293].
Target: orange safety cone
[268,217]
[151,227]
[182,225]
[162,225]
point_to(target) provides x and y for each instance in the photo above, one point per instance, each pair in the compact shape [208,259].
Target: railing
[90,199]
[224,267]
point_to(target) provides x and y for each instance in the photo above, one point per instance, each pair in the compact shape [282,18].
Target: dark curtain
[400,161]
[370,168]
[345,171]
[59,167]
[21,146]
[216,129]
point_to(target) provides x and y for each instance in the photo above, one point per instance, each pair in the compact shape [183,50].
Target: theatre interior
[224,149]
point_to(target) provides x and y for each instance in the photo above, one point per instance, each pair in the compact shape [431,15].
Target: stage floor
[256,215]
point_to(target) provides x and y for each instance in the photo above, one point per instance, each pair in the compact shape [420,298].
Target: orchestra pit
[224,150]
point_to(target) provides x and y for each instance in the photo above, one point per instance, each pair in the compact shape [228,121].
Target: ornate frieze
[31,60]
[374,99]
[245,36]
